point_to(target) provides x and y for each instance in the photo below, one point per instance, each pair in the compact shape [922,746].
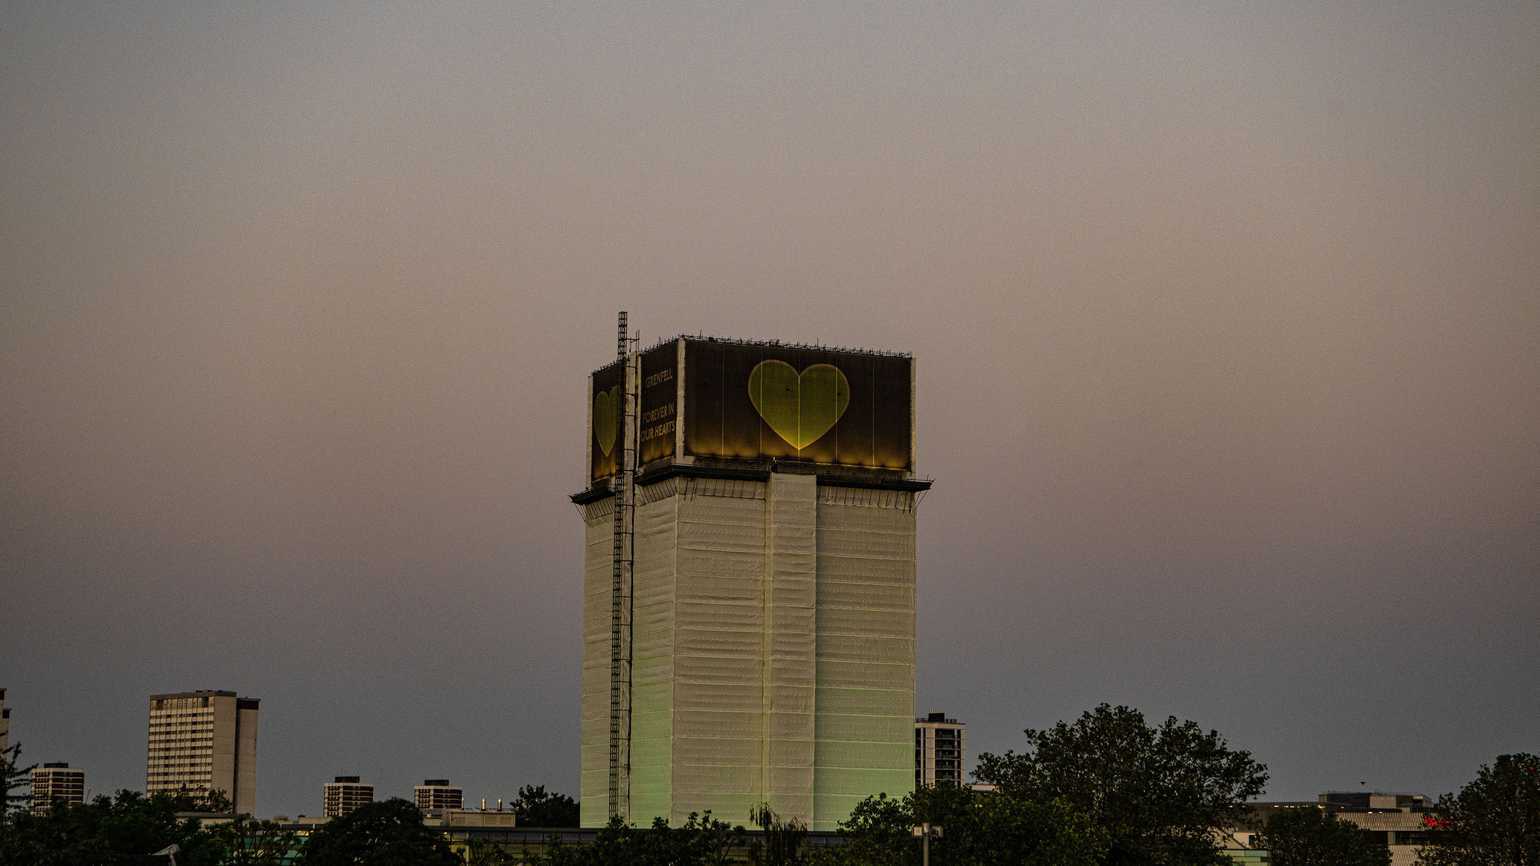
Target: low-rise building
[480,819]
[1402,823]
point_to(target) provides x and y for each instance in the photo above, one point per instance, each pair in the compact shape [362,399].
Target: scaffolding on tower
[623,487]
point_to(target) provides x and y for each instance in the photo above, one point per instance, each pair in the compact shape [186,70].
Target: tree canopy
[1156,792]
[537,808]
[13,778]
[1494,820]
[700,841]
[978,829]
[247,841]
[124,829]
[385,833]
[1310,837]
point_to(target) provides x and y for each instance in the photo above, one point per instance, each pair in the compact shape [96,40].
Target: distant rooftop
[196,693]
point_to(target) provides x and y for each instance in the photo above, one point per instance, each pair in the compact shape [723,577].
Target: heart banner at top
[799,407]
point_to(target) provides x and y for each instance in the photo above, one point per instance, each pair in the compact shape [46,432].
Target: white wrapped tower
[756,643]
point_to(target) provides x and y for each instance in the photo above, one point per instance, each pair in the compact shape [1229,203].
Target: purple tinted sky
[1227,319]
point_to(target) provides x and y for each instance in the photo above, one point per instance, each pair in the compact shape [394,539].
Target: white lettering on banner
[658,414]
[657,430]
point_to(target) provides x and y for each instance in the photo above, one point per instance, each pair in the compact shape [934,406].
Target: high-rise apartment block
[344,794]
[5,723]
[940,750]
[55,784]
[434,796]
[204,741]
[748,581]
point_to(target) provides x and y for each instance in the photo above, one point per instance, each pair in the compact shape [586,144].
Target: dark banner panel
[605,407]
[822,405]
[660,399]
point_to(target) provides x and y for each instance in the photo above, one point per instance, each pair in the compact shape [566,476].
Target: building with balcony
[940,750]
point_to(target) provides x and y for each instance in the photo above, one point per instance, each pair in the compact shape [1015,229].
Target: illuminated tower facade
[749,581]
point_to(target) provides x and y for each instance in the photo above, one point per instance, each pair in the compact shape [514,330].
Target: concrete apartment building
[436,796]
[940,751]
[344,794]
[748,581]
[57,783]
[204,741]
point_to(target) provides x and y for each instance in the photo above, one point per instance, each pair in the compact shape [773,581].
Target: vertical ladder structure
[624,491]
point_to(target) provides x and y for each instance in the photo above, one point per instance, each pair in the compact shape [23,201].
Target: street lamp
[925,832]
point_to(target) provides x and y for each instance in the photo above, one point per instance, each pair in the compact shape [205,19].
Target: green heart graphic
[799,407]
[606,405]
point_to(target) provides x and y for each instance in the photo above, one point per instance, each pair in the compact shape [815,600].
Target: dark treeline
[1106,790]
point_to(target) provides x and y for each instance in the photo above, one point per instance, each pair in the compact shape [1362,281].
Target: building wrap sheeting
[593,783]
[773,650]
[652,671]
[866,646]
[718,689]
[790,644]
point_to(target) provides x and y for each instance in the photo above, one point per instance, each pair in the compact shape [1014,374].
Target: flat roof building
[344,794]
[435,796]
[748,581]
[940,750]
[1402,823]
[57,783]
[201,742]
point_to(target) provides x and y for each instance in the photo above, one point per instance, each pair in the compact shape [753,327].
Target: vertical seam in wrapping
[673,665]
[764,639]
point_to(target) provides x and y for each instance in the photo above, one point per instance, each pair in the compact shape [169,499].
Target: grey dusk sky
[1227,319]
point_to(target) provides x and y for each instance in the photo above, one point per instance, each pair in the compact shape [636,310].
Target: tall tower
[204,741]
[749,581]
[5,723]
